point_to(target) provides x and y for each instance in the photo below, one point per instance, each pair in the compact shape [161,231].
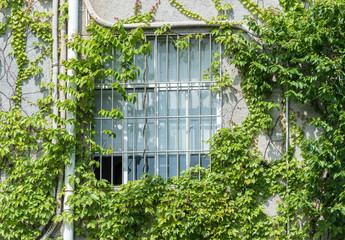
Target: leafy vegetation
[297,49]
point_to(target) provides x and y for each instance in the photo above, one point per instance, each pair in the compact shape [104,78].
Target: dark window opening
[110,168]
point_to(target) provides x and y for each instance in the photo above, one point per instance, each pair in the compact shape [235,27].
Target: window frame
[166,86]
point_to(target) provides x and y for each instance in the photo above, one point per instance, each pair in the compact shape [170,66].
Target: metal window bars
[166,130]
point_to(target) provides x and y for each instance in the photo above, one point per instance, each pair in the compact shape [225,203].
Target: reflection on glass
[162,104]
[172,134]
[182,103]
[117,102]
[139,62]
[194,60]
[130,168]
[162,61]
[98,129]
[149,134]
[182,143]
[182,163]
[130,134]
[162,134]
[139,165]
[162,165]
[172,103]
[150,103]
[106,101]
[194,159]
[97,103]
[194,134]
[172,163]
[205,107]
[106,138]
[205,160]
[118,139]
[205,133]
[150,70]
[194,102]
[139,137]
[172,62]
[183,65]
[205,55]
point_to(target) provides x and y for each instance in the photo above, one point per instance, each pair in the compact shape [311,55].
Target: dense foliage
[297,49]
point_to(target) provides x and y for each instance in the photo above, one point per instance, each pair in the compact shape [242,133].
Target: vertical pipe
[63,57]
[68,227]
[286,153]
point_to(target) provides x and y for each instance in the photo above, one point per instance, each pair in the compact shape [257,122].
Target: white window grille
[174,115]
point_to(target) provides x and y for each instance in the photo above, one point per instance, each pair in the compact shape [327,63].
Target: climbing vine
[296,50]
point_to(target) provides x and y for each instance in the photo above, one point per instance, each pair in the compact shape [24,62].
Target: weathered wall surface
[31,91]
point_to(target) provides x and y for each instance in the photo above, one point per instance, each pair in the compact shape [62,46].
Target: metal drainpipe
[73,8]
[287,144]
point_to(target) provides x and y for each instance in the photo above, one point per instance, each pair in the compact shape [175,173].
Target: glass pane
[205,105]
[194,134]
[106,98]
[162,61]
[118,139]
[117,62]
[117,101]
[139,164]
[205,55]
[162,103]
[106,138]
[139,105]
[172,103]
[194,102]
[172,62]
[183,65]
[130,107]
[150,169]
[194,60]
[215,103]
[108,65]
[98,129]
[139,62]
[130,168]
[150,103]
[162,166]
[182,143]
[215,48]
[182,163]
[162,134]
[150,134]
[139,137]
[130,135]
[150,76]
[172,134]
[172,163]
[182,103]
[97,103]
[194,159]
[205,160]
[205,132]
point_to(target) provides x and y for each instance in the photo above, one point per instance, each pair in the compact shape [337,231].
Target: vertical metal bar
[155,61]
[210,84]
[199,94]
[187,110]
[166,117]
[112,138]
[101,134]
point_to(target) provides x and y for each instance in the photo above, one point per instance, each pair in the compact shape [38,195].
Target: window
[166,130]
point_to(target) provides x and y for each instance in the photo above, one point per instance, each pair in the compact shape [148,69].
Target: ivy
[297,50]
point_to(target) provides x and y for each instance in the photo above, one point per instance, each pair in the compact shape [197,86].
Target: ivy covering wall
[298,49]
